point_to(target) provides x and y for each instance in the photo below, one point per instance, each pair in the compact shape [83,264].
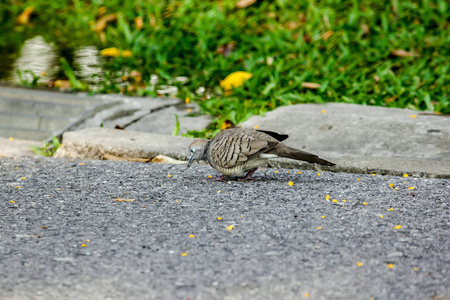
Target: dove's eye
[192,150]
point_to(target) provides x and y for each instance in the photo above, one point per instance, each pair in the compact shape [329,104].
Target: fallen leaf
[291,183]
[138,22]
[235,79]
[103,22]
[365,29]
[24,17]
[327,35]
[111,52]
[229,228]
[62,84]
[359,264]
[403,53]
[225,49]
[127,53]
[184,254]
[244,3]
[310,85]
[119,158]
[167,160]
[124,200]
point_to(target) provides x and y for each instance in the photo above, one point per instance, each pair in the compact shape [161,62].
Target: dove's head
[197,150]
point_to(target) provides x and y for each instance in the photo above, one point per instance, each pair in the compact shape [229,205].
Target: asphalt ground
[173,235]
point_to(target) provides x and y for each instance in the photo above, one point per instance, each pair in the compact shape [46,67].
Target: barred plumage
[238,150]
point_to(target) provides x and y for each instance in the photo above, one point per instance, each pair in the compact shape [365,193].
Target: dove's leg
[249,175]
[217,178]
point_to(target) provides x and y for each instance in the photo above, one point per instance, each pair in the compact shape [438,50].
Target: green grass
[280,42]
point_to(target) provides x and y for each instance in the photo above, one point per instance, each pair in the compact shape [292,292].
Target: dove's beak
[191,159]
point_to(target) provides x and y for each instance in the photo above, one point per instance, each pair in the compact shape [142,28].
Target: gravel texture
[64,236]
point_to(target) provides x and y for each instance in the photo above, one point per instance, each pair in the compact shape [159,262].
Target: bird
[238,150]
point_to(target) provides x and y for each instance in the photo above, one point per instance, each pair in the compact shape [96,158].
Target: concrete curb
[94,143]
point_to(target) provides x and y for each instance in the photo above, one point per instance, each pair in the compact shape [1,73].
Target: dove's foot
[220,178]
[249,175]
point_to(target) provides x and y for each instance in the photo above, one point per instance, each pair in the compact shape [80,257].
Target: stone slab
[163,121]
[17,147]
[93,143]
[347,130]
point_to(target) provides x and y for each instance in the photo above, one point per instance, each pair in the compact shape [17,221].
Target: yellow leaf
[381,216]
[334,201]
[391,185]
[323,111]
[219,218]
[235,79]
[24,17]
[411,188]
[62,84]
[405,175]
[81,163]
[169,175]
[359,179]
[390,209]
[23,178]
[364,203]
[11,138]
[398,227]
[123,200]
[229,228]
[83,245]
[291,183]
[310,85]
[192,236]
[18,187]
[319,227]
[306,295]
[187,100]
[413,116]
[12,201]
[359,264]
[256,127]
[111,52]
[183,254]
[127,53]
[299,172]
[327,197]
[323,217]
[390,266]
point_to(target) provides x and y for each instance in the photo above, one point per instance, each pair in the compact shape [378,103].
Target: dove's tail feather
[293,153]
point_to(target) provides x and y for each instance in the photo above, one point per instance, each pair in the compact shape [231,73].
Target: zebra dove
[238,150]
